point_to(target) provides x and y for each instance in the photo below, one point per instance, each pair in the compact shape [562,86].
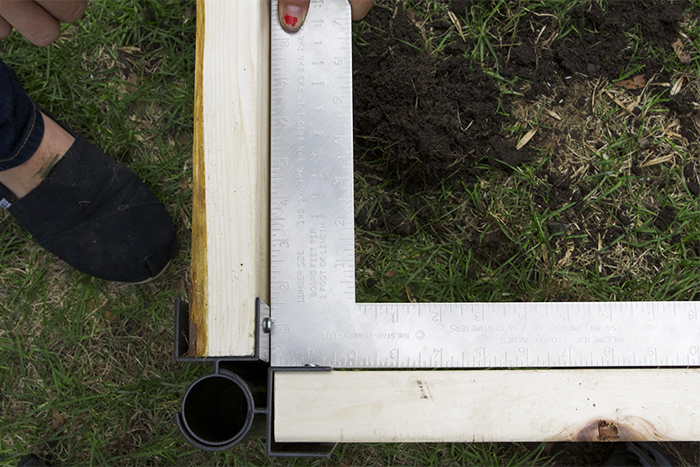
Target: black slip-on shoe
[32,461]
[639,453]
[97,215]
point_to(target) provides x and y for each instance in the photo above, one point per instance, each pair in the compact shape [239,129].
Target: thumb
[292,13]
[360,8]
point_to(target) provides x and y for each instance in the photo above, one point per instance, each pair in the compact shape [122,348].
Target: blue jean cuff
[29,142]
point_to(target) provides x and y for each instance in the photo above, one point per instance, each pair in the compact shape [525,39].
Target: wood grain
[198,280]
[482,406]
[231,177]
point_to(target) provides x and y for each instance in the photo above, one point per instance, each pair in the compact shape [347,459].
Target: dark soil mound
[426,119]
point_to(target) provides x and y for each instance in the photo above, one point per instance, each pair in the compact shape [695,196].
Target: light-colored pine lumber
[482,406]
[230,233]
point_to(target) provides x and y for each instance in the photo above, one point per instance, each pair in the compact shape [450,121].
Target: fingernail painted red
[291,20]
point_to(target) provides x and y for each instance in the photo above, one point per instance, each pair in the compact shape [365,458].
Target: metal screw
[267,325]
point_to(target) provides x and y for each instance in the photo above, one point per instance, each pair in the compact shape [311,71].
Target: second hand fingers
[32,21]
[65,11]
[360,8]
[5,28]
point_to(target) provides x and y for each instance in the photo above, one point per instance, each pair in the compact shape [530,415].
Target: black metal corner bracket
[235,402]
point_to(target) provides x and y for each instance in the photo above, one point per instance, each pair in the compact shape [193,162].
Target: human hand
[293,12]
[38,20]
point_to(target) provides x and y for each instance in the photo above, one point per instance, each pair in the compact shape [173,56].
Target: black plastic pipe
[218,411]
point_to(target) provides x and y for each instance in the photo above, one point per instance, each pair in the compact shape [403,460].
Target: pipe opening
[218,409]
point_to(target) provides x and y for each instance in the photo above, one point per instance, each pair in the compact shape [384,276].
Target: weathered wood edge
[487,405]
[199,270]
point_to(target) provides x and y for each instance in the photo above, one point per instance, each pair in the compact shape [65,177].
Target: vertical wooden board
[230,262]
[481,406]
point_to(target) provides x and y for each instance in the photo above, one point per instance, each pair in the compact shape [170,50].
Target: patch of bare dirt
[425,119]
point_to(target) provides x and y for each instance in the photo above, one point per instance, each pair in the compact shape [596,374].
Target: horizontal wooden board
[482,405]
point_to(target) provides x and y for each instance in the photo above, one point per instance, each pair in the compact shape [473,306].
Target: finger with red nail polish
[292,13]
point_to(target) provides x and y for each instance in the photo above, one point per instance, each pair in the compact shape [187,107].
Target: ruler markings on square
[315,320]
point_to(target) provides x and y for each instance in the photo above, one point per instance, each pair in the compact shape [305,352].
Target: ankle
[24,178]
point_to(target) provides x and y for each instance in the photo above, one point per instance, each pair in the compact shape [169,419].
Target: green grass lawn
[87,375]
